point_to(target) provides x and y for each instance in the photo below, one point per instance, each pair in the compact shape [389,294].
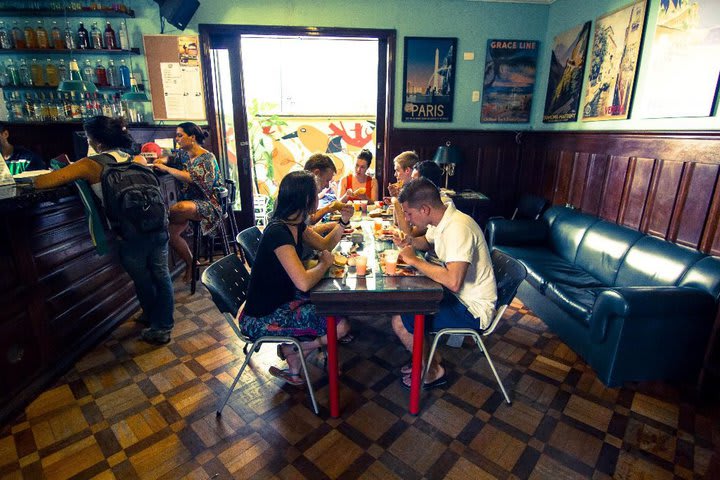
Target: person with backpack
[198,173]
[130,195]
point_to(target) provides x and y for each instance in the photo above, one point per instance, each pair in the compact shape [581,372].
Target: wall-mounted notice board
[175,77]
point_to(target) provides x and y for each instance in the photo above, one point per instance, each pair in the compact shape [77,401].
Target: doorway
[290,124]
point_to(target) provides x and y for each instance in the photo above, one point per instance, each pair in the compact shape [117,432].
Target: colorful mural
[294,139]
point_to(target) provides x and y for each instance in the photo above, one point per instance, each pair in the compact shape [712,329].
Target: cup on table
[391,258]
[378,225]
[364,205]
[361,265]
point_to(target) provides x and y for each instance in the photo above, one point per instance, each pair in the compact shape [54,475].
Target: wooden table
[375,293]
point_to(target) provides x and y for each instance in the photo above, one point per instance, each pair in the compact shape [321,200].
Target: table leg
[417,354]
[333,366]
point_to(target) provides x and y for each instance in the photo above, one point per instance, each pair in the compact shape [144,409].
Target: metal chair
[509,273]
[222,195]
[249,241]
[227,281]
[229,213]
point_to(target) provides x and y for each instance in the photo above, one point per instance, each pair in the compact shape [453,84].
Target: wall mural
[684,61]
[289,141]
[614,61]
[567,68]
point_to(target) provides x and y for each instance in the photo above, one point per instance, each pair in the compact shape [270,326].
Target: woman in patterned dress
[199,174]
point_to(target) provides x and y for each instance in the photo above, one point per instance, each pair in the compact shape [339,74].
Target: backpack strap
[103,159]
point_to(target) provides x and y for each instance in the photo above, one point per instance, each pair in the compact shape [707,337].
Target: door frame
[210,33]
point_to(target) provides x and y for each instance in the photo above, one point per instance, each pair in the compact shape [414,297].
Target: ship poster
[682,78]
[567,70]
[510,69]
[613,63]
[428,79]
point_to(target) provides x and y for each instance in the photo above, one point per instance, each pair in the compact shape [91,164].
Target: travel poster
[510,68]
[684,61]
[567,69]
[614,61]
[428,79]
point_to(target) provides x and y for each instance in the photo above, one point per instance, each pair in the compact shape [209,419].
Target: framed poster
[613,64]
[684,61]
[567,69]
[428,79]
[510,68]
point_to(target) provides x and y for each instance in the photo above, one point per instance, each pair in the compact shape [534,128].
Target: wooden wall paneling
[711,235]
[563,182]
[507,193]
[548,180]
[636,194]
[530,166]
[578,179]
[595,179]
[662,200]
[702,179]
[614,188]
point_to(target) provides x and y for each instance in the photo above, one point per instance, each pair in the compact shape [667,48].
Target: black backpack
[134,204]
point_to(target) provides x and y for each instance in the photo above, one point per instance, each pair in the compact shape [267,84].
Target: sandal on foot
[439,382]
[406,369]
[346,339]
[282,355]
[294,379]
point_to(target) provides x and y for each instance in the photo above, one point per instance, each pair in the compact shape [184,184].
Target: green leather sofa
[635,307]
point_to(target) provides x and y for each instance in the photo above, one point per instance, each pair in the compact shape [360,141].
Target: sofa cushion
[544,266]
[567,231]
[577,301]
[654,262]
[704,275]
[603,249]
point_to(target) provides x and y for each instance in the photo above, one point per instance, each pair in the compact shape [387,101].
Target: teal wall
[472,22]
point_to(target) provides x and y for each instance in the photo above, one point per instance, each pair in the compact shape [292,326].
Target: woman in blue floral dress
[199,174]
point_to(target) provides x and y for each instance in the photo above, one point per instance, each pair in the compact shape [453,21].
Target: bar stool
[230,214]
[222,194]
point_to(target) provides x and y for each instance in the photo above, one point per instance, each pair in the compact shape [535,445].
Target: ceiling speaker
[178,12]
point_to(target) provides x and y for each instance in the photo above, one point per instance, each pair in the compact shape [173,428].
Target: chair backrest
[227,281]
[529,207]
[249,241]
[509,273]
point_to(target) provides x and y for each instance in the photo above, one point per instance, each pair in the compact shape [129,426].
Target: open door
[226,102]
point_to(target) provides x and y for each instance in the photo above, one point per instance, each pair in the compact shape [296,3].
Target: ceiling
[541,2]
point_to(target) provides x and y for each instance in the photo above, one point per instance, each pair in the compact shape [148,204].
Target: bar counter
[58,297]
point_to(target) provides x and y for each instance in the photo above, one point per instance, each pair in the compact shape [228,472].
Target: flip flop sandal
[406,369]
[426,386]
[294,379]
[346,339]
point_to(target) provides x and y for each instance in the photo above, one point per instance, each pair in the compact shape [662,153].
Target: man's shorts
[451,314]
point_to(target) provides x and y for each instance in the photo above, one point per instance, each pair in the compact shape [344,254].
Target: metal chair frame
[249,241]
[229,300]
[509,273]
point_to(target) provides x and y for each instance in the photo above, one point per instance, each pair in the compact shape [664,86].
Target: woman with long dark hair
[198,172]
[277,302]
[144,258]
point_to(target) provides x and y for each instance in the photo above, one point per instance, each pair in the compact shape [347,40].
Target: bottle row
[51,73]
[65,6]
[39,38]
[69,107]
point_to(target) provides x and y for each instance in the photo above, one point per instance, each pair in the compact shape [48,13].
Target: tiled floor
[128,410]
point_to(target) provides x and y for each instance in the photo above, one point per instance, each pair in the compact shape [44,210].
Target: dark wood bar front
[58,297]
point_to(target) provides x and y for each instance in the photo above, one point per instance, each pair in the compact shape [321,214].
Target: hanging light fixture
[134,95]
[76,84]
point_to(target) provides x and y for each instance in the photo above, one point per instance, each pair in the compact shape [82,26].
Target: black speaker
[178,12]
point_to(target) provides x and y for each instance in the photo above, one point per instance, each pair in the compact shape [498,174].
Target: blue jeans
[451,314]
[146,261]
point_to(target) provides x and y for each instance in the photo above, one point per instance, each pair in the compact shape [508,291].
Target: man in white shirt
[465,272]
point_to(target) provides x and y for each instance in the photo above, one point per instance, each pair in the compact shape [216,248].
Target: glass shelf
[75,51]
[68,13]
[49,88]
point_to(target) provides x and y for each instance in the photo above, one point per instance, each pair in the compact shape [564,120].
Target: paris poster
[428,79]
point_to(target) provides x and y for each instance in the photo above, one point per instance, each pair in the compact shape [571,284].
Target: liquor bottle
[41,102]
[124,72]
[52,108]
[83,37]
[10,106]
[51,74]
[106,107]
[42,35]
[74,70]
[5,41]
[4,79]
[88,72]
[75,108]
[69,37]
[100,74]
[123,36]
[56,37]
[30,36]
[95,36]
[113,77]
[18,36]
[17,106]
[110,42]
[59,106]
[29,108]
[67,107]
[12,73]
[24,71]
[36,72]
[62,71]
